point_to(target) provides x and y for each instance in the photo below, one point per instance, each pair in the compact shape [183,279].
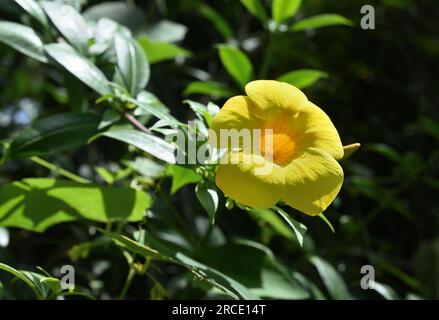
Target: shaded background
[382,91]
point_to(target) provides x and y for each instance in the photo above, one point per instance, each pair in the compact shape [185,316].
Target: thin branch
[136,123]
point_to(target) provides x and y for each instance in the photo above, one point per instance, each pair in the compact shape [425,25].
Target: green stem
[59,170]
[127,284]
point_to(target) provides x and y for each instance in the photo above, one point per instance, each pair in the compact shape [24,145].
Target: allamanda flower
[304,156]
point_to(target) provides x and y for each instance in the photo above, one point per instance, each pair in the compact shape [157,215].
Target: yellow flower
[304,155]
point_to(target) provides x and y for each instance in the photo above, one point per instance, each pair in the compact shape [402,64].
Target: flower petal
[313,129]
[274,97]
[312,181]
[252,181]
[236,114]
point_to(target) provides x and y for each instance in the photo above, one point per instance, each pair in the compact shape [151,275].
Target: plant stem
[127,284]
[59,170]
[136,123]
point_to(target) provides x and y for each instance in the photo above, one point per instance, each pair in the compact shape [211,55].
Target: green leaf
[320,21]
[430,126]
[182,176]
[220,24]
[274,221]
[302,78]
[328,223]
[1,290]
[38,203]
[79,66]
[150,104]
[158,249]
[161,51]
[207,194]
[385,291]
[131,63]
[298,228]
[69,22]
[331,278]
[153,145]
[22,39]
[22,277]
[386,151]
[55,133]
[237,64]
[166,31]
[260,273]
[122,12]
[256,8]
[282,10]
[34,9]
[200,110]
[214,89]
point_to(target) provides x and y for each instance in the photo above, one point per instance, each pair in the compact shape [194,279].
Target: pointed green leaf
[132,64]
[69,22]
[34,9]
[302,78]
[298,228]
[214,89]
[161,51]
[79,66]
[256,8]
[153,145]
[22,39]
[237,64]
[207,194]
[54,134]
[320,21]
[334,283]
[282,10]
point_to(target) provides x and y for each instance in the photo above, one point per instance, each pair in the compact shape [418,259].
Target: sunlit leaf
[34,9]
[38,203]
[214,89]
[161,51]
[256,8]
[22,39]
[302,78]
[237,64]
[182,176]
[79,66]
[284,9]
[320,21]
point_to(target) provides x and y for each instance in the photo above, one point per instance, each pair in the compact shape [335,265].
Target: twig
[136,123]
[59,170]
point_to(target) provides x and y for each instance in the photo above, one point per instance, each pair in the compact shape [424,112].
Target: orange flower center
[277,143]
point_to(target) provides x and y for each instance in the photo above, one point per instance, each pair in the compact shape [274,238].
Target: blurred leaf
[237,64]
[146,167]
[207,194]
[69,22]
[22,39]
[254,265]
[426,263]
[214,89]
[166,31]
[331,278]
[157,249]
[298,228]
[79,66]
[161,51]
[220,23]
[327,222]
[182,176]
[430,126]
[256,8]
[38,203]
[34,9]
[1,290]
[109,117]
[22,277]
[284,9]
[385,291]
[384,150]
[302,78]
[273,220]
[53,134]
[131,63]
[321,20]
[123,12]
[153,145]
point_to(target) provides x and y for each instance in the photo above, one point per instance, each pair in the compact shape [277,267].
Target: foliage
[90,88]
